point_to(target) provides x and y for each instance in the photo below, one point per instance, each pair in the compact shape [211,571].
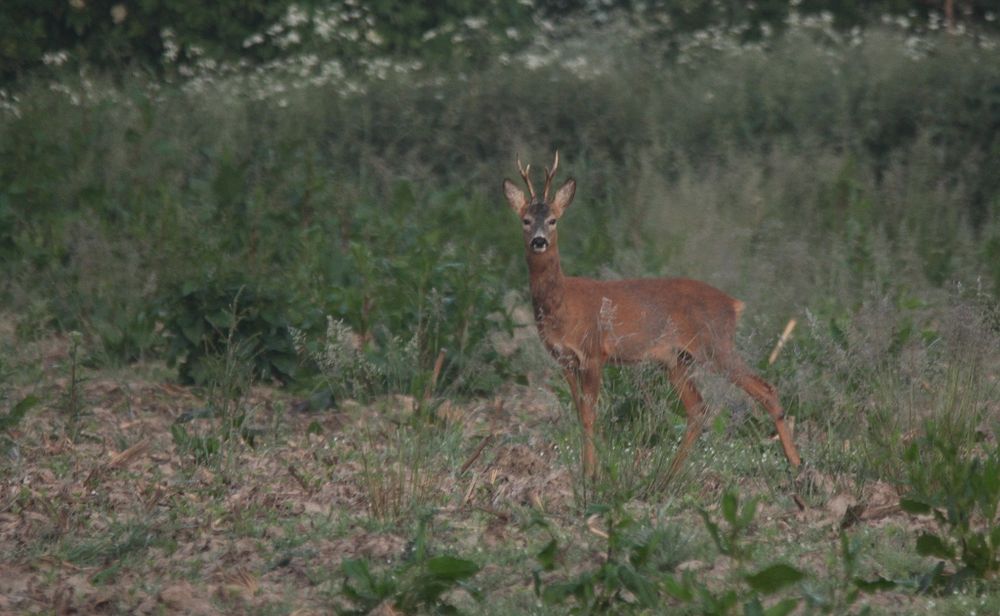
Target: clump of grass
[402,471]
[228,370]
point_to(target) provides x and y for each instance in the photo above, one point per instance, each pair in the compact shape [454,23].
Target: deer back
[629,321]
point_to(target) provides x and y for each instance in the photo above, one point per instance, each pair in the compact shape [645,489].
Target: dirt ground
[106,513]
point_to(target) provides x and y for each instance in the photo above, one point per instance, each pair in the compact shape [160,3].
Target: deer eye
[552,222]
[526,221]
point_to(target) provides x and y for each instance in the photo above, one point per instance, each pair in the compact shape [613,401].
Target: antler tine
[549,176]
[525,173]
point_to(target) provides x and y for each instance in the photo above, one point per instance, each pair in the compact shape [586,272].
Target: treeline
[158,35]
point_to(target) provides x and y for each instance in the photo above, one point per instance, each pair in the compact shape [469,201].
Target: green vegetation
[265,337]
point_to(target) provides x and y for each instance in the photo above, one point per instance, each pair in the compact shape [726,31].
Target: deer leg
[765,393]
[590,387]
[694,406]
[573,378]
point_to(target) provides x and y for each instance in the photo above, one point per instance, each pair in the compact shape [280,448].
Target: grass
[312,318]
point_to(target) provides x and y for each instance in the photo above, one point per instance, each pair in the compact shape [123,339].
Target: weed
[73,404]
[418,584]
[229,373]
[203,320]
[627,578]
[10,420]
[398,473]
[962,491]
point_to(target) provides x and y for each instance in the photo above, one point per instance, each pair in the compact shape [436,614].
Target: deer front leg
[572,375]
[590,387]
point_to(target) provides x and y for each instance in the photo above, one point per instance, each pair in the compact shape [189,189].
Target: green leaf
[638,585]
[977,555]
[554,594]
[356,569]
[221,319]
[774,578]
[17,413]
[915,507]
[932,545]
[451,568]
[713,531]
[193,329]
[730,503]
[877,585]
[597,509]
[677,590]
[547,556]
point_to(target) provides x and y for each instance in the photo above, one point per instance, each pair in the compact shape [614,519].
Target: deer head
[539,215]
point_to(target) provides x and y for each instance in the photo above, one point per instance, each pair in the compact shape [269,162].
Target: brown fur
[587,323]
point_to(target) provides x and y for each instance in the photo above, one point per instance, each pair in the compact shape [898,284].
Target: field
[266,344]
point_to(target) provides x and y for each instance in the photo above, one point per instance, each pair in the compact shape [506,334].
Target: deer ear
[564,196]
[515,197]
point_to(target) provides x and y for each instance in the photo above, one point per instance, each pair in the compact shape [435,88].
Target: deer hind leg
[765,393]
[694,407]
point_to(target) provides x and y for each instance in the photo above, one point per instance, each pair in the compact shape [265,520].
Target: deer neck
[548,285]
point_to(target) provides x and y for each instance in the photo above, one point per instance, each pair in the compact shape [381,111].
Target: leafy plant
[961,490]
[628,578]
[418,584]
[73,402]
[850,585]
[205,319]
[731,542]
[13,417]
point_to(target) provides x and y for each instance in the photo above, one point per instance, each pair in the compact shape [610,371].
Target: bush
[204,321]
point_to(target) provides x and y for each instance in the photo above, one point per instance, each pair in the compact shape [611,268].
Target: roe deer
[585,324]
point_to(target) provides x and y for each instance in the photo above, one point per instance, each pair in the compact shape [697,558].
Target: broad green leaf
[451,568]
[932,545]
[547,556]
[877,585]
[16,414]
[730,503]
[774,578]
[677,590]
[221,319]
[977,555]
[915,507]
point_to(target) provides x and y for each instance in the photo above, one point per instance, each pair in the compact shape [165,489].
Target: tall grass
[850,184]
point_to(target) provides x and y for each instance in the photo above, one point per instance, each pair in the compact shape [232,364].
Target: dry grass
[120,520]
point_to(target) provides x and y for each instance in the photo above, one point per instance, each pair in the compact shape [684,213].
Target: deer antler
[525,171]
[549,175]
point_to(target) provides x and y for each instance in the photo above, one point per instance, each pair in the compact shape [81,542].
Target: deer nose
[539,244]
